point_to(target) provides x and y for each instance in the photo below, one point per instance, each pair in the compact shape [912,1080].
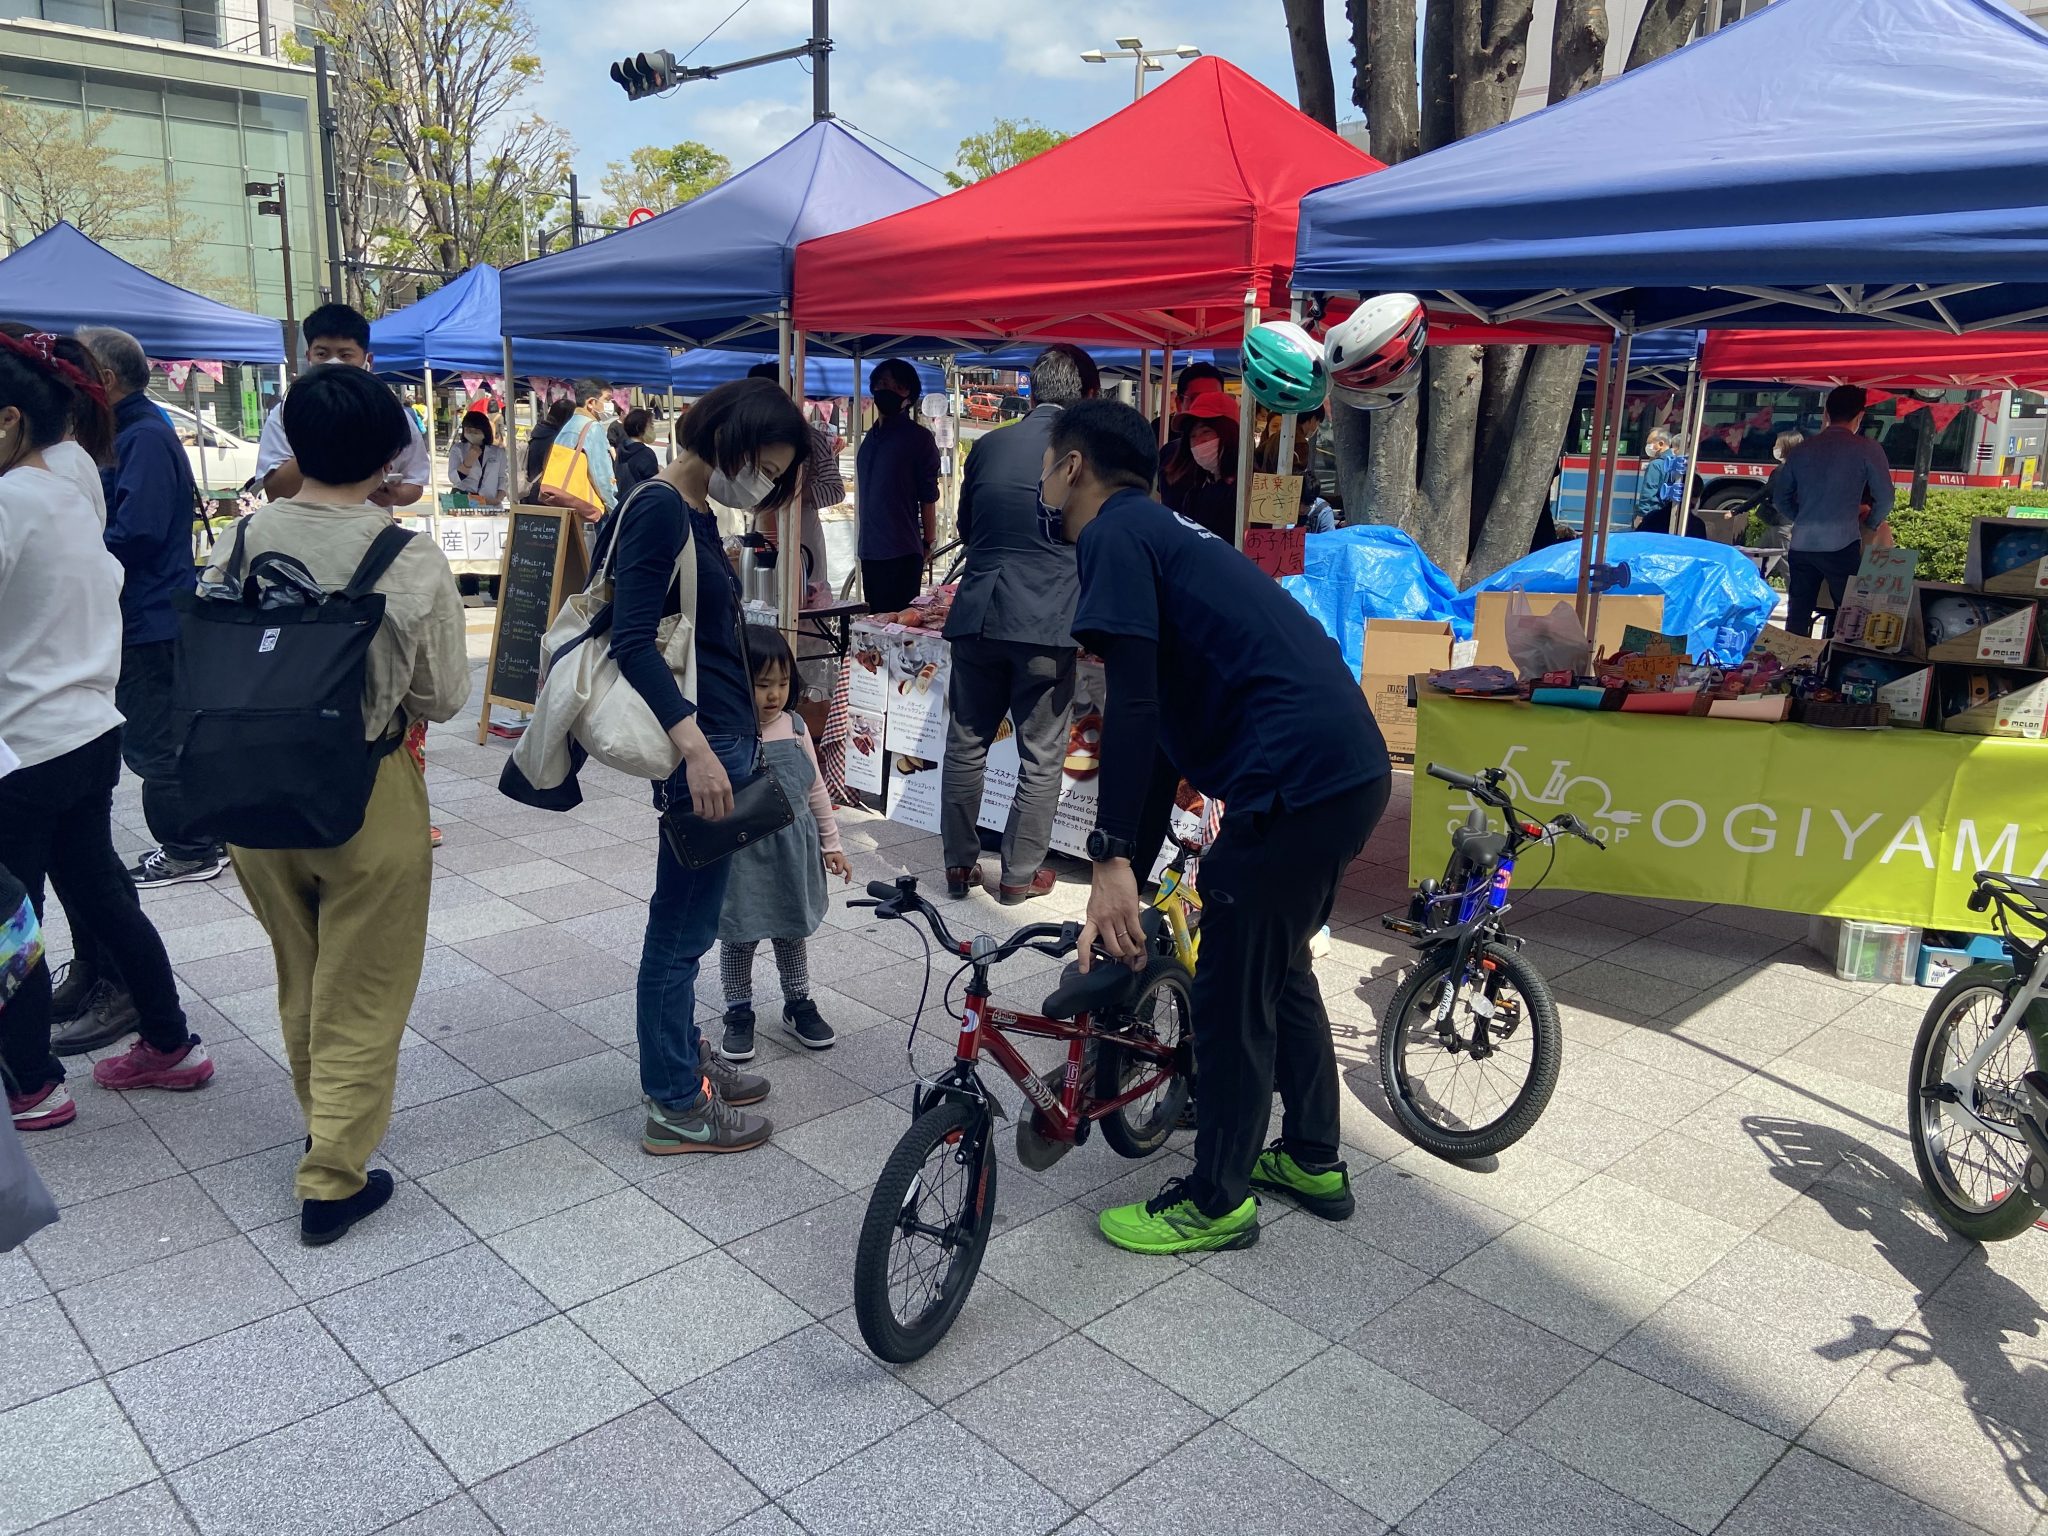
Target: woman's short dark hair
[637,421]
[730,426]
[559,413]
[1194,372]
[482,423]
[1114,441]
[343,426]
[898,373]
[769,652]
[85,414]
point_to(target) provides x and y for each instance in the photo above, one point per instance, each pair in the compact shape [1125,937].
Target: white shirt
[409,468]
[70,462]
[60,619]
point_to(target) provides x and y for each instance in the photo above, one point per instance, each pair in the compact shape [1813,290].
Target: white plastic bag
[1545,642]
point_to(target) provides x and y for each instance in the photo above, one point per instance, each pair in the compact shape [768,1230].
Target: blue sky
[921,74]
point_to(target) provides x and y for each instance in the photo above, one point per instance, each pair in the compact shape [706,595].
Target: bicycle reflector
[645,74]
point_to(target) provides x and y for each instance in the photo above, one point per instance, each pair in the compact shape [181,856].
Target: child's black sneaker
[738,1044]
[801,1019]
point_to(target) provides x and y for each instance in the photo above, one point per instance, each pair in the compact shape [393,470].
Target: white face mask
[474,439]
[1208,452]
[743,491]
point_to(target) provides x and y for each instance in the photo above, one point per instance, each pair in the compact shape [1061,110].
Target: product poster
[867,682]
[914,792]
[1886,826]
[919,670]
[864,754]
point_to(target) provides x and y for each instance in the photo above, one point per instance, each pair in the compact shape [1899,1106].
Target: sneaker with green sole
[709,1125]
[1171,1222]
[1324,1192]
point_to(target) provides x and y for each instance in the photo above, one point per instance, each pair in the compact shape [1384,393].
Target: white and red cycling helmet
[1374,354]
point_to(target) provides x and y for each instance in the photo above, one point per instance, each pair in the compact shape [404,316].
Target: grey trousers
[1033,685]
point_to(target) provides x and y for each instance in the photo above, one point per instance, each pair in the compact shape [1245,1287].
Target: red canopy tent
[1888,359]
[1149,228]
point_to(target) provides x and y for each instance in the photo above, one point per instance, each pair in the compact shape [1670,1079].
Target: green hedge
[1941,530]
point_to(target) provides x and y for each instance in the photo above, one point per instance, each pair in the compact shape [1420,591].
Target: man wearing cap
[1198,470]
[1820,490]
[1011,630]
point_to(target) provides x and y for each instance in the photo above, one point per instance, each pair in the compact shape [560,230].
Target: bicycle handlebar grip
[1455,779]
[883,890]
[1980,899]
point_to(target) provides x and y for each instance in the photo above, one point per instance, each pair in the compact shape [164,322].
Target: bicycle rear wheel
[1451,1099]
[926,1226]
[1975,1179]
[1162,1013]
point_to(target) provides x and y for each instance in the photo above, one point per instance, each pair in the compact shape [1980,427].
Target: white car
[220,460]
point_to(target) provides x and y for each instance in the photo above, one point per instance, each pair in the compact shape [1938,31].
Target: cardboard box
[2002,540]
[2021,713]
[1972,627]
[1617,613]
[1910,691]
[1395,650]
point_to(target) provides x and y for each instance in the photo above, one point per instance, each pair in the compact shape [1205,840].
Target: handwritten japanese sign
[1275,501]
[1277,551]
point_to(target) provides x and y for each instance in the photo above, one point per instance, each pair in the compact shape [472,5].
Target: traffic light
[646,74]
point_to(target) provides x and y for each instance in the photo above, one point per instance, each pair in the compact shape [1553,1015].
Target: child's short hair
[770,652]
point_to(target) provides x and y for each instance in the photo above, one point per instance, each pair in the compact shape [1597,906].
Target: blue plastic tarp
[1371,572]
[63,279]
[457,329]
[1712,593]
[1817,142]
[721,262]
[825,378]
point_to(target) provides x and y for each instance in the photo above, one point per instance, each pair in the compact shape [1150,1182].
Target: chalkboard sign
[544,562]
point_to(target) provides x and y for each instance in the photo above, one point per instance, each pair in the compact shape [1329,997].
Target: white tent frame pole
[515,468]
[1247,418]
[789,539]
[1595,457]
[433,453]
[1165,393]
[1617,411]
[1145,382]
[782,346]
[1695,421]
[1284,464]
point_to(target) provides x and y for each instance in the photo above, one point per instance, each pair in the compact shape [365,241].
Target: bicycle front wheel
[1973,1167]
[1464,1085]
[926,1227]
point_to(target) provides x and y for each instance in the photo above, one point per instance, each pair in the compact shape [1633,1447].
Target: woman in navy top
[743,445]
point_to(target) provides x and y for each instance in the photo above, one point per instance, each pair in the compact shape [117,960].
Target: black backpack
[269,691]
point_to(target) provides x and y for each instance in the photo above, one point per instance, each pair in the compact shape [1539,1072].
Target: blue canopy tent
[63,279]
[1815,164]
[715,272]
[456,329]
[825,378]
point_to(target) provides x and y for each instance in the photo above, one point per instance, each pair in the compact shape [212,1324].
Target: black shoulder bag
[759,807]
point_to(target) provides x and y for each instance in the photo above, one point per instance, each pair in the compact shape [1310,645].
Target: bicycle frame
[1183,910]
[1066,1114]
[1962,1082]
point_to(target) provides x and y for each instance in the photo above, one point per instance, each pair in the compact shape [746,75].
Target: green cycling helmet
[1284,368]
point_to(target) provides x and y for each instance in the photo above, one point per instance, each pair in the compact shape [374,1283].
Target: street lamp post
[1149,61]
[272,202]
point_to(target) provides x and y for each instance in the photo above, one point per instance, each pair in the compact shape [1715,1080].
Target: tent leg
[1165,394]
[515,467]
[1695,420]
[433,455]
[783,339]
[1145,382]
[1595,457]
[789,538]
[1284,463]
[1618,410]
[1247,418]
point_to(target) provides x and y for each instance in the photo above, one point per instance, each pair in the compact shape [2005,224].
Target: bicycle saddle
[1108,984]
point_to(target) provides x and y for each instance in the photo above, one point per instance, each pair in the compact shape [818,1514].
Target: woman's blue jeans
[682,925]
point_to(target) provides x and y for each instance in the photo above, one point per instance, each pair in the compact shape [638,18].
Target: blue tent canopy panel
[1893,149]
[825,378]
[457,329]
[63,279]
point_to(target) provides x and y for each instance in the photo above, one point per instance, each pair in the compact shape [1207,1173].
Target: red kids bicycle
[1129,1059]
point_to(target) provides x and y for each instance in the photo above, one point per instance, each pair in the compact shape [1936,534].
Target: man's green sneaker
[1171,1222]
[1326,1193]
[709,1125]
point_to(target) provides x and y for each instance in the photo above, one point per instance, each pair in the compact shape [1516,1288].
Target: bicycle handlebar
[1485,788]
[900,900]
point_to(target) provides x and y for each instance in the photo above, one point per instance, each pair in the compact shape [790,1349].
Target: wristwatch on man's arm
[1102,847]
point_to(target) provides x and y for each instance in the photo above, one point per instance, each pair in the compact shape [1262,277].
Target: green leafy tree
[55,166]
[661,178]
[1012,141]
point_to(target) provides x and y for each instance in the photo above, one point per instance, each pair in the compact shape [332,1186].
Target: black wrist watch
[1102,847]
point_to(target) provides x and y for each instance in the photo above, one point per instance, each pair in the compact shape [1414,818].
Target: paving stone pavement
[1701,1297]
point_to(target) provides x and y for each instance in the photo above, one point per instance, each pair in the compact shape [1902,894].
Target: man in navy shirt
[1216,675]
[896,488]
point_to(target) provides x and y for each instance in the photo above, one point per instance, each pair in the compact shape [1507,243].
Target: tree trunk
[1923,460]
[1490,40]
[1498,395]
[1383,55]
[1314,85]
[1666,25]
[1549,386]
[1439,125]
[1394,437]
[1442,519]
[1578,47]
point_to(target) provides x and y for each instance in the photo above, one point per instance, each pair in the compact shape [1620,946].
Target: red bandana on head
[40,347]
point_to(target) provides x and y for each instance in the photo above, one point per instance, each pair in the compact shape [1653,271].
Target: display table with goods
[1867,781]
